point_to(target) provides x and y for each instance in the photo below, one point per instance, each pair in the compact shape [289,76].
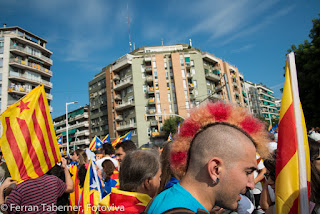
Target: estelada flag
[293,173]
[92,191]
[106,139]
[116,141]
[95,144]
[29,143]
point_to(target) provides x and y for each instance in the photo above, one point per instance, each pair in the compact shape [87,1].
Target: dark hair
[127,146]
[82,174]
[136,167]
[314,148]
[270,164]
[108,149]
[166,172]
[108,167]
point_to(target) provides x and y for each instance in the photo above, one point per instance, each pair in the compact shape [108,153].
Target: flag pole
[304,201]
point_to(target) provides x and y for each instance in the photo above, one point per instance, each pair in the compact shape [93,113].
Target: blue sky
[85,36]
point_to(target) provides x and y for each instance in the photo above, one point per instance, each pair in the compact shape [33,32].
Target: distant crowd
[223,160]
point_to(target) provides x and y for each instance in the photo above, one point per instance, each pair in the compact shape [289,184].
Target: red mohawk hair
[211,113]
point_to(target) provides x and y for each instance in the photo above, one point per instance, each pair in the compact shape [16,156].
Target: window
[167,75]
[186,94]
[155,75]
[195,83]
[192,63]
[143,75]
[174,97]
[158,97]
[183,74]
[169,97]
[170,64]
[168,85]
[184,84]
[208,82]
[193,71]
[187,105]
[154,64]
[129,89]
[158,108]
[144,88]
[165,65]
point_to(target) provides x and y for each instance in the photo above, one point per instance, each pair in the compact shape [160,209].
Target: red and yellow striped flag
[74,196]
[293,162]
[28,137]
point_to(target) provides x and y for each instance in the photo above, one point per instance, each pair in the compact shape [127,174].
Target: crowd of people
[223,160]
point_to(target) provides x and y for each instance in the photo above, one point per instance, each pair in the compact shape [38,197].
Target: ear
[214,168]
[147,184]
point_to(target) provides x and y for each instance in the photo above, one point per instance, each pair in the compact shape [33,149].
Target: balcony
[81,133]
[212,76]
[148,69]
[116,77]
[150,90]
[24,51]
[153,123]
[192,97]
[191,86]
[117,97]
[151,101]
[122,62]
[126,127]
[80,142]
[157,134]
[124,105]
[149,78]
[123,83]
[189,75]
[151,111]
[234,84]
[16,62]
[24,78]
[216,96]
[74,126]
[79,116]
[188,65]
[119,118]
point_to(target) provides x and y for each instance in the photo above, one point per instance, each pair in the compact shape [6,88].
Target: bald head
[220,141]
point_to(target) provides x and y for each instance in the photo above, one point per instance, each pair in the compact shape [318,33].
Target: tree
[308,72]
[171,125]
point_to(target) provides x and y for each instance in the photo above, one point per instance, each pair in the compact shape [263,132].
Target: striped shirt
[36,195]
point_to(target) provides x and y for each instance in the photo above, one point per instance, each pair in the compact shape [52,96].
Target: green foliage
[308,71]
[171,125]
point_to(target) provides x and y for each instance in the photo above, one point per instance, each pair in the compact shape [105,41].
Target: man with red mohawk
[215,154]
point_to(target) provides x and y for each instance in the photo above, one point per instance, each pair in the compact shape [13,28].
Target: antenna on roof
[162,42]
[130,44]
[190,42]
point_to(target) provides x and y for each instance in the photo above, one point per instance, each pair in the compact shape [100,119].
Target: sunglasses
[270,175]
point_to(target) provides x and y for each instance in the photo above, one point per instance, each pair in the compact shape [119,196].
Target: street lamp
[67,124]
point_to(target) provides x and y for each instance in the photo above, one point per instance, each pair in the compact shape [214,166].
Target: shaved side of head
[220,140]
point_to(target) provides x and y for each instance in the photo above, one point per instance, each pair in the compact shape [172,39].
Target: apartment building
[24,64]
[78,128]
[145,87]
[261,101]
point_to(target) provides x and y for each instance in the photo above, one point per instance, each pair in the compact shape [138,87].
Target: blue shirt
[172,182]
[174,197]
[107,186]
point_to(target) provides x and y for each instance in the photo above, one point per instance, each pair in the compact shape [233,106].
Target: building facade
[261,101]
[145,87]
[24,64]
[78,128]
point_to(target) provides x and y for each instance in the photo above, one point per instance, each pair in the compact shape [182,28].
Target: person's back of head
[314,148]
[82,156]
[108,168]
[140,172]
[108,149]
[127,146]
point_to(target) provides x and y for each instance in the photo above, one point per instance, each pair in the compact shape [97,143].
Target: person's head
[123,148]
[80,156]
[166,172]
[108,168]
[314,154]
[140,172]
[215,152]
[270,164]
[107,149]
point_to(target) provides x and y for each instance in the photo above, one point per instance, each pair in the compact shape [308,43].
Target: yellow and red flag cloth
[29,143]
[115,176]
[95,144]
[92,191]
[293,162]
[169,137]
[116,141]
[119,201]
[74,196]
